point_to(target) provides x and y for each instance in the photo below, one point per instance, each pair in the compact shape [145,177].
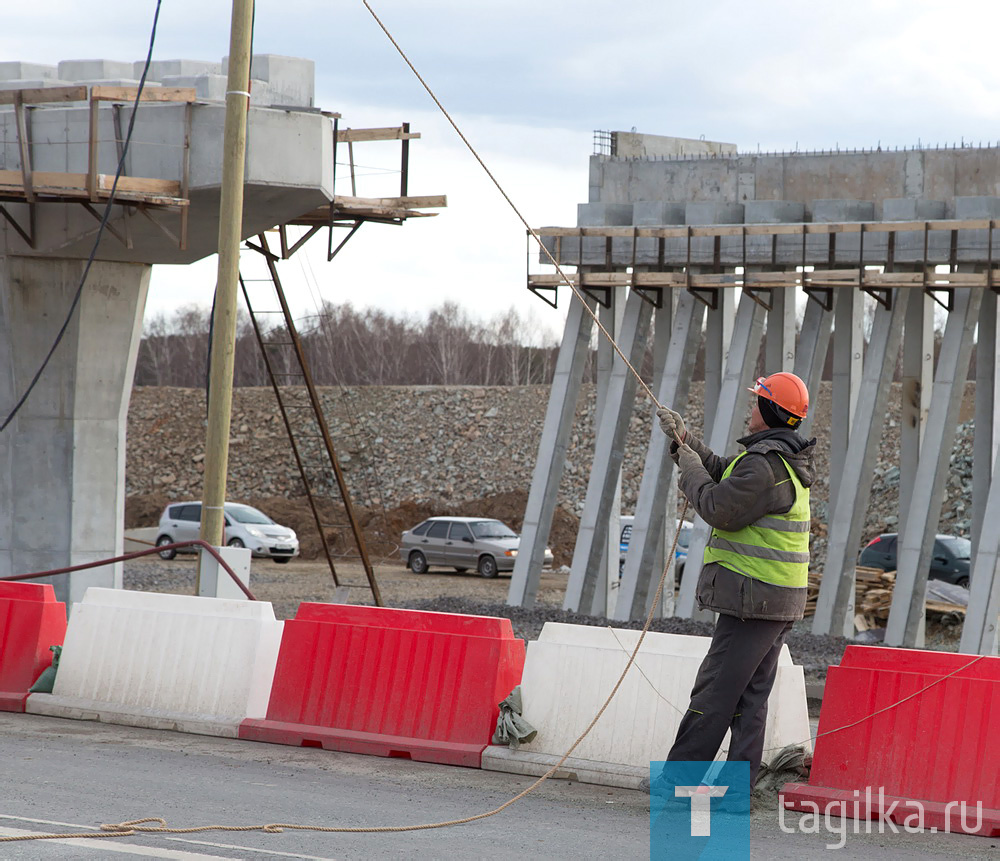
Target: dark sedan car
[949,558]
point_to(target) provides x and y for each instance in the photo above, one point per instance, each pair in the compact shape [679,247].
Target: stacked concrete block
[974,244]
[848,245]
[786,250]
[79,71]
[208,87]
[29,83]
[160,69]
[277,80]
[594,249]
[14,70]
[703,247]
[910,244]
[653,213]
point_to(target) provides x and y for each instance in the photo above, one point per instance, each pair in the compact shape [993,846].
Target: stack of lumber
[873,598]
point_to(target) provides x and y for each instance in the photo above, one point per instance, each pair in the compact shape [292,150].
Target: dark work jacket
[751,491]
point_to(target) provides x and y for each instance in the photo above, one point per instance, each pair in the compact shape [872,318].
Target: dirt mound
[382,529]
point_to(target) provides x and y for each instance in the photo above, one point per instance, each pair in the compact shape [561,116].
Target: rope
[517,212]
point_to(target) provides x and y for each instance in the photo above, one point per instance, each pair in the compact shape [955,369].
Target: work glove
[687,458]
[671,423]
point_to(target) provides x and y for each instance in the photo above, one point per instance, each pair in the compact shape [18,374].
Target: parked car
[950,558]
[680,554]
[488,545]
[244,527]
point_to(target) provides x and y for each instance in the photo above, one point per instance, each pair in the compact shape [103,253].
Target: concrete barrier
[907,735]
[386,682]
[178,662]
[31,620]
[569,672]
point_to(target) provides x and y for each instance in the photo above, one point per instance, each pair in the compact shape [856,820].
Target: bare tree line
[347,346]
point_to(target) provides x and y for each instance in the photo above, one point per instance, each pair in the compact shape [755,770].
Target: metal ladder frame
[271,260]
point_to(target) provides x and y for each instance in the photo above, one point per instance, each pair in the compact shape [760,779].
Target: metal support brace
[730,415]
[551,460]
[916,545]
[918,376]
[980,631]
[779,349]
[810,355]
[645,545]
[986,441]
[718,336]
[835,605]
[848,352]
[590,555]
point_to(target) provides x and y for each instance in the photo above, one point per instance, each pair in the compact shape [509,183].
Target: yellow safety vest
[774,549]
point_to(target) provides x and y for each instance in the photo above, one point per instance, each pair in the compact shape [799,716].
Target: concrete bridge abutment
[62,458]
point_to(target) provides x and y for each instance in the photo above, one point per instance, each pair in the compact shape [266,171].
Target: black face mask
[775,416]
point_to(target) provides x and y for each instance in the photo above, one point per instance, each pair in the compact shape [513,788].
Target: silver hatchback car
[245,527]
[488,545]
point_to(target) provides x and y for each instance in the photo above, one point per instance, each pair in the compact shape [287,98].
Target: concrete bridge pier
[62,459]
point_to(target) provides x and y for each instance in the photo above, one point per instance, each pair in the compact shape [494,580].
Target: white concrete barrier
[571,669]
[178,662]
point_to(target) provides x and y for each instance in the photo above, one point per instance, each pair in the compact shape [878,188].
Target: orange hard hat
[786,391]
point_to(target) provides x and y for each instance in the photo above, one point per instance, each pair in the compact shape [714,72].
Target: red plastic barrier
[936,755]
[407,683]
[31,620]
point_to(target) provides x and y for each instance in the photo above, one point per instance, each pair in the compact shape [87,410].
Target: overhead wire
[100,230]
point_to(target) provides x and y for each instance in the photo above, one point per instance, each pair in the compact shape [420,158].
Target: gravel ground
[285,586]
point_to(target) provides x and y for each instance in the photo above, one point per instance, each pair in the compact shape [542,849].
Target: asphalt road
[70,776]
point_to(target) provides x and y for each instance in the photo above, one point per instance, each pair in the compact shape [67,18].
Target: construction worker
[755,566]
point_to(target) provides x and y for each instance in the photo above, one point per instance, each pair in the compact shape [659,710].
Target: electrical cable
[100,230]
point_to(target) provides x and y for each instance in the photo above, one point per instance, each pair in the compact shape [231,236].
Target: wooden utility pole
[220,398]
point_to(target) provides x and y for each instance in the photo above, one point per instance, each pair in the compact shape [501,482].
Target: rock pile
[448,449]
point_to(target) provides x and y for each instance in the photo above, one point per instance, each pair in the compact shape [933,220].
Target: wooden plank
[141,184]
[394,133]
[75,184]
[23,143]
[607,231]
[427,201]
[548,280]
[659,279]
[605,279]
[149,94]
[42,95]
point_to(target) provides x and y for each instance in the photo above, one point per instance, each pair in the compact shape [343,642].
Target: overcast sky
[529,82]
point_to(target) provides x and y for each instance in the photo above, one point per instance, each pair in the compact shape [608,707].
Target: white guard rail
[571,669]
[177,662]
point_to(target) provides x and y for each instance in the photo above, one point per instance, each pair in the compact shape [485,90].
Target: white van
[245,527]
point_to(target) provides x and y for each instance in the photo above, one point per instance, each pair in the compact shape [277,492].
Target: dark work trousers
[731,691]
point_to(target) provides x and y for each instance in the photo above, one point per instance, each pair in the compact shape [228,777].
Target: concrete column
[835,605]
[848,352]
[810,355]
[916,543]
[551,458]
[611,318]
[718,336]
[779,343]
[653,520]
[730,418]
[982,619]
[590,555]
[918,375]
[986,442]
[62,459]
